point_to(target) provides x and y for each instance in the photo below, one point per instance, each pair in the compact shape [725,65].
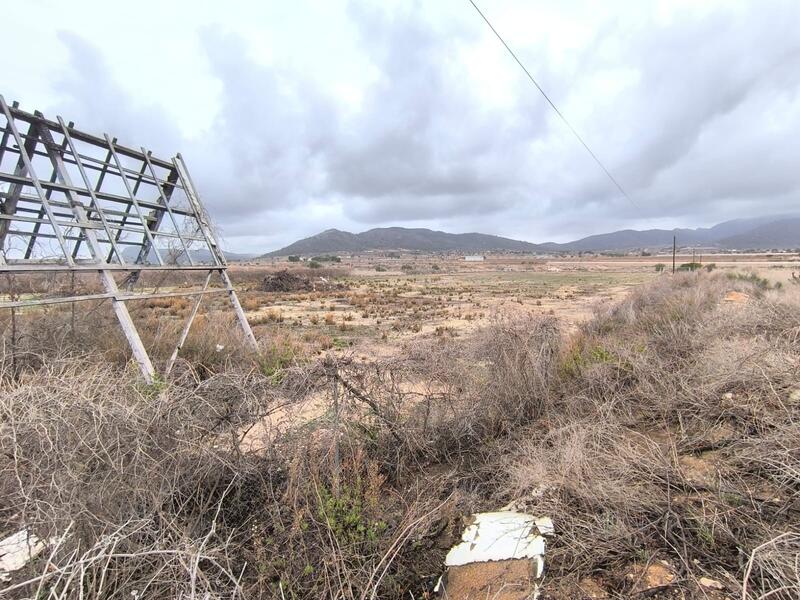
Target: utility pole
[673,254]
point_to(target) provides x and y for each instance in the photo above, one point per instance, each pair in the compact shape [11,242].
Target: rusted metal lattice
[104,208]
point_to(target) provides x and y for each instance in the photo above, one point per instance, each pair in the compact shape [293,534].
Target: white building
[475,258]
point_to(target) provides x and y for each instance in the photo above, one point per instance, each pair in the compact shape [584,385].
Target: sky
[296,117]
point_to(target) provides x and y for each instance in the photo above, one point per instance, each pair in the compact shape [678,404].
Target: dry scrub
[674,436]
[666,429]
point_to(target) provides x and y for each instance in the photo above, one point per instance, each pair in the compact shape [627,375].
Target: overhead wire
[553,106]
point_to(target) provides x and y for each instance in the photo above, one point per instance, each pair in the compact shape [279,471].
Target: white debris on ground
[17,550]
[501,536]
[508,544]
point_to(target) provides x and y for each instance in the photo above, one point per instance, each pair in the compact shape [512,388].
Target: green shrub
[760,282]
[690,266]
[276,357]
[326,258]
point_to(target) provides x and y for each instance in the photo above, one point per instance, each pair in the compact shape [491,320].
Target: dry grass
[666,428]
[671,438]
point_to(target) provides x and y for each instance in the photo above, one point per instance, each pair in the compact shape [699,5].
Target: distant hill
[400,238]
[773,232]
[784,233]
[198,256]
[777,231]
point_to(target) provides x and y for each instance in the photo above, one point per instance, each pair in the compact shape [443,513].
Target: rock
[500,555]
[657,574]
[709,583]
[501,580]
[590,589]
[699,470]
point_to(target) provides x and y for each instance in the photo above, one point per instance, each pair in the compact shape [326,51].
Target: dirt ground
[385,301]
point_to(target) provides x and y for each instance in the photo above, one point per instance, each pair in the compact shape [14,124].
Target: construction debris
[17,550]
[501,555]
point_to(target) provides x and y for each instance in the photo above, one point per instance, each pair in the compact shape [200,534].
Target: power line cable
[554,107]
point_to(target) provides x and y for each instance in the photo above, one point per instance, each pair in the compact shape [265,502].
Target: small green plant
[274,359]
[573,361]
[314,264]
[341,343]
[155,388]
[601,355]
[294,258]
[380,268]
[710,267]
[345,516]
[660,267]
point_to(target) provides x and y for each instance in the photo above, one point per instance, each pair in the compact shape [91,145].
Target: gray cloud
[271,133]
[697,116]
[89,94]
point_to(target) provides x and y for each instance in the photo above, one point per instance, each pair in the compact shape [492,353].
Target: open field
[653,418]
[420,296]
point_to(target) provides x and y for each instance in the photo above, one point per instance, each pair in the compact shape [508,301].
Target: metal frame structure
[101,199]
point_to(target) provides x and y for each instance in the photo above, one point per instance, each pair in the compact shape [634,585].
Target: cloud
[423,146]
[267,144]
[89,94]
[416,115]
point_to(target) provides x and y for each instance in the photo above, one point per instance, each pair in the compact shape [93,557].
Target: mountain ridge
[401,238]
[768,232]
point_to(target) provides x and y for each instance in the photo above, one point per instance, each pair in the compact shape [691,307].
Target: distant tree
[314,264]
[710,267]
[327,258]
[660,267]
[294,259]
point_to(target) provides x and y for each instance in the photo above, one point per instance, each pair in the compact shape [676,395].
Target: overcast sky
[295,117]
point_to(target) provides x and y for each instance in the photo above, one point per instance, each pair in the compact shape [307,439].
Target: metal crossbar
[94,207]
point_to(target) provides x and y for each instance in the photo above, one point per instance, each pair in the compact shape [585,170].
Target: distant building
[475,258]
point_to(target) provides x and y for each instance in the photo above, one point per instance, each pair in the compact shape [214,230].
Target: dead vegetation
[661,439]
[291,281]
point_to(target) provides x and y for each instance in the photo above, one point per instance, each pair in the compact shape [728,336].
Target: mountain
[778,234]
[771,232]
[776,231]
[400,238]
